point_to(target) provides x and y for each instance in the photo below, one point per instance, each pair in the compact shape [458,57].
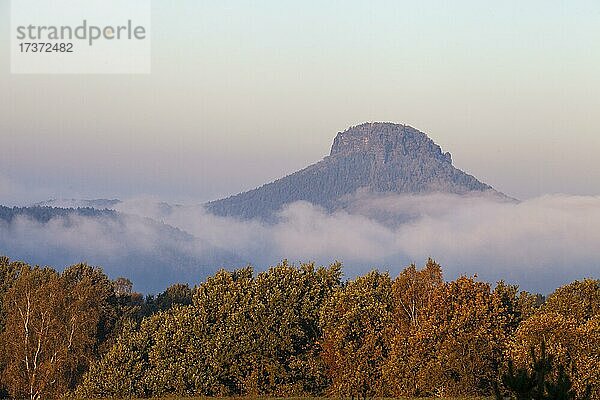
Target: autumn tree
[579,300]
[9,272]
[459,345]
[88,288]
[568,322]
[84,275]
[49,333]
[572,345]
[412,293]
[355,323]
[588,357]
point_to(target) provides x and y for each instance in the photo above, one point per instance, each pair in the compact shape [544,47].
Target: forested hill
[45,214]
[376,157]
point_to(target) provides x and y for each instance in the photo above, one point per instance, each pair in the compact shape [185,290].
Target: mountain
[377,158]
[156,244]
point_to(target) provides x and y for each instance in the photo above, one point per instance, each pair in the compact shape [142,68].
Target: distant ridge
[44,214]
[99,204]
[377,157]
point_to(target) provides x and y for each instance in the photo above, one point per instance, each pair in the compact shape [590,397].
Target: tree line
[293,331]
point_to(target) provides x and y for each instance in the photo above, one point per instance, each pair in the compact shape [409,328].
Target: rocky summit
[378,157]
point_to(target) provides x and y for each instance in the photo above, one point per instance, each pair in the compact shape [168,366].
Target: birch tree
[49,332]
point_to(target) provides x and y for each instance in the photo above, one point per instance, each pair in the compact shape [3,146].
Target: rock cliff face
[372,157]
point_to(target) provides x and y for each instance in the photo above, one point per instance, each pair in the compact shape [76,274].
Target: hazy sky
[243,92]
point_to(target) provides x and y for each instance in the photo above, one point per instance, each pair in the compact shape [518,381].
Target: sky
[244,92]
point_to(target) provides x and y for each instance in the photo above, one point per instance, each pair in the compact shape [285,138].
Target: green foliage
[356,320]
[241,335]
[579,300]
[521,382]
[120,373]
[178,294]
[562,389]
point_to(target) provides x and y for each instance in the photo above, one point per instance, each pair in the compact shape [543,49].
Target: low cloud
[539,243]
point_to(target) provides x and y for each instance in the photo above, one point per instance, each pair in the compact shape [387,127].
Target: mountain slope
[376,157]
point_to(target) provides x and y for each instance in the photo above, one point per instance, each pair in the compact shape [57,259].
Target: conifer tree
[536,383]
